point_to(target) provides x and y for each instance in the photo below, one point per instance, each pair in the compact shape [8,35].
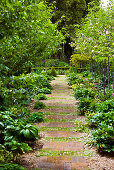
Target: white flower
[107,32]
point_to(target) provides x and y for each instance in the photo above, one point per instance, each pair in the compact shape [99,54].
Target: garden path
[63,135]
[61,146]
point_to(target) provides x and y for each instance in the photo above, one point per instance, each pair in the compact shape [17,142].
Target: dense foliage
[67,14]
[30,33]
[96,106]
[16,121]
[18,90]
[26,34]
[95,35]
[79,60]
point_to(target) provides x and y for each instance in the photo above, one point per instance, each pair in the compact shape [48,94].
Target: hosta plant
[36,117]
[105,106]
[28,132]
[17,148]
[96,119]
[84,92]
[103,138]
[39,105]
[11,166]
[44,90]
[40,96]
[84,105]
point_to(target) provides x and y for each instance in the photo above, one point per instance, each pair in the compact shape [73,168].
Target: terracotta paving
[62,163]
[65,134]
[57,124]
[62,104]
[63,97]
[64,101]
[63,146]
[61,116]
[58,110]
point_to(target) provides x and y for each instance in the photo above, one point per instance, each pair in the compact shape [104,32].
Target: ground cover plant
[40,96]
[16,121]
[39,105]
[99,111]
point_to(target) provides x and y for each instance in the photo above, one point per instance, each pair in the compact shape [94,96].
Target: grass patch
[65,107]
[85,153]
[59,120]
[63,139]
[57,129]
[51,98]
[60,113]
[75,129]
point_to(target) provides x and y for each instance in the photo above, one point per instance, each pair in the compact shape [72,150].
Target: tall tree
[26,33]
[67,14]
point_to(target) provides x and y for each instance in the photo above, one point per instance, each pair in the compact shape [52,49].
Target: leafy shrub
[103,97]
[63,64]
[14,132]
[60,72]
[85,73]
[39,105]
[84,105]
[84,92]
[36,117]
[74,78]
[96,119]
[5,155]
[103,138]
[17,113]
[55,63]
[28,132]
[17,147]
[77,86]
[20,132]
[105,106]
[11,166]
[41,96]
[44,90]
[51,62]
[79,59]
[53,72]
[11,97]
[29,81]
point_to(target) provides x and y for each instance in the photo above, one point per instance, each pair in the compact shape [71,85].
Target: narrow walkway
[62,146]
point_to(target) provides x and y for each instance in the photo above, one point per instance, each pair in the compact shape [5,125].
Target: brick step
[55,162]
[65,134]
[67,117]
[56,124]
[57,110]
[63,146]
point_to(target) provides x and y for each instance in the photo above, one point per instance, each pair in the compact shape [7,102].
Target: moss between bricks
[60,113]
[74,129]
[60,120]
[63,139]
[84,153]
[57,129]
[54,107]
[51,98]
